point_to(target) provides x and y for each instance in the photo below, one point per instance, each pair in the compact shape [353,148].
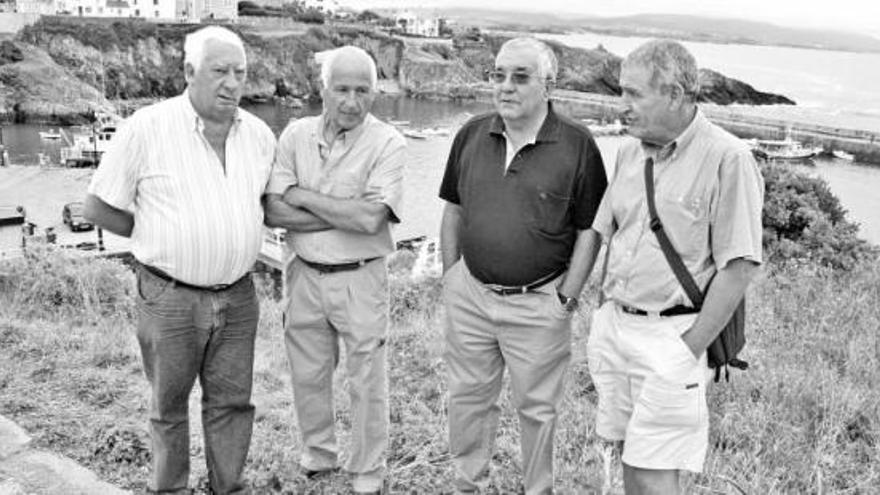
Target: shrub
[803,220]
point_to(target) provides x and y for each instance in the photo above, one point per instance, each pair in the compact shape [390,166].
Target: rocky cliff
[62,62]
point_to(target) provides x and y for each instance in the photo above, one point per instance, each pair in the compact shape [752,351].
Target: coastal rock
[36,89]
[716,88]
[137,60]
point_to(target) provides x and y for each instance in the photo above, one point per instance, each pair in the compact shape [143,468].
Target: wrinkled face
[215,87]
[349,96]
[520,91]
[647,109]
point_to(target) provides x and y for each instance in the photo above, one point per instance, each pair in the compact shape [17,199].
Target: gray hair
[194,46]
[329,58]
[670,63]
[547,63]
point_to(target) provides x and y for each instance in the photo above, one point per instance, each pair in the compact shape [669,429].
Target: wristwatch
[568,303]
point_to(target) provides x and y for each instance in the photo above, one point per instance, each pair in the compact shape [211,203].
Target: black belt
[338,267]
[673,311]
[168,278]
[522,289]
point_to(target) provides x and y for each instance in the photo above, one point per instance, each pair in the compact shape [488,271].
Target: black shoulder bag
[727,345]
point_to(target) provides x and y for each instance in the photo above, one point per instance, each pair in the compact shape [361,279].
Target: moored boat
[783,150]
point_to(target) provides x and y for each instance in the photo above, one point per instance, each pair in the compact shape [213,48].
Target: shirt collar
[197,122]
[345,137]
[679,143]
[549,131]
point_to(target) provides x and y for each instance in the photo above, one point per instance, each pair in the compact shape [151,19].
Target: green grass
[803,419]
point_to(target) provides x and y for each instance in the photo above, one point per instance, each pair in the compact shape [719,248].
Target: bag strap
[672,257]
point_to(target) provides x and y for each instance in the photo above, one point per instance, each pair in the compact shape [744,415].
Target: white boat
[843,155]
[86,149]
[783,150]
[610,129]
[414,134]
[50,134]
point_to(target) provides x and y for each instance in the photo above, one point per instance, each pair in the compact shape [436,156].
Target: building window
[137,12]
[155,2]
[157,13]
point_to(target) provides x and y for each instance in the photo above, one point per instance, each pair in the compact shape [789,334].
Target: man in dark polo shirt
[522,185]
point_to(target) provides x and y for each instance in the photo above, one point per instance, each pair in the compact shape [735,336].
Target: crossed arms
[304,210]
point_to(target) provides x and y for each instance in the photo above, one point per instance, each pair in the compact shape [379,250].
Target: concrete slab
[12,438]
[49,474]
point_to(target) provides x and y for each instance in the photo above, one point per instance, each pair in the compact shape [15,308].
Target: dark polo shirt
[521,225]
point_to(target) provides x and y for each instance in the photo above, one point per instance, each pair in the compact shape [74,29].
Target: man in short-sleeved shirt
[183,178]
[647,346]
[336,186]
[521,188]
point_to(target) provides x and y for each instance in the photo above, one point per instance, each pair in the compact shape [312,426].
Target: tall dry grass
[803,419]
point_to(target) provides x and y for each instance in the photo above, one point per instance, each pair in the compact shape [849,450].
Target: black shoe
[316,473]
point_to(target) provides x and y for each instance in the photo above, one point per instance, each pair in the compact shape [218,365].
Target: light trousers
[323,309]
[530,335]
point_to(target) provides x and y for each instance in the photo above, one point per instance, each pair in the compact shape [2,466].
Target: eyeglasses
[518,77]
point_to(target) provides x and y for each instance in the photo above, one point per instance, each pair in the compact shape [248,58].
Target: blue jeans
[183,334]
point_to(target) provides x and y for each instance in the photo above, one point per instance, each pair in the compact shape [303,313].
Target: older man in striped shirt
[336,186]
[183,178]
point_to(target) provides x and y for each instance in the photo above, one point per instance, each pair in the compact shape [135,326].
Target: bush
[49,281]
[803,220]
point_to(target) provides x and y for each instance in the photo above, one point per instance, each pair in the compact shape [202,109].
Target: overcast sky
[850,15]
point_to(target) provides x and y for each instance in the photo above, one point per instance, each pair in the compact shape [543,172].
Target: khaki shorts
[652,390]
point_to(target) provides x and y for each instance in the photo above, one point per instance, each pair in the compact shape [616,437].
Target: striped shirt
[364,163]
[709,194]
[199,224]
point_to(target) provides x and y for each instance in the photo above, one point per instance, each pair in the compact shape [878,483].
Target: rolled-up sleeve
[116,179]
[385,181]
[283,173]
[736,221]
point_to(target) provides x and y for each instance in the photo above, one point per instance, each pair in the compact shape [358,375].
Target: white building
[42,7]
[197,10]
[325,6]
[419,26]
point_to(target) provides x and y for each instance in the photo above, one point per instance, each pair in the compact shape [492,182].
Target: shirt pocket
[548,210]
[685,219]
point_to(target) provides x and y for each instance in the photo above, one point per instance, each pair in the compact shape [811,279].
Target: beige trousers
[322,309]
[528,333]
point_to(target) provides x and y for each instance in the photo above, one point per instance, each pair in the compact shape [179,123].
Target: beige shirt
[192,220]
[363,163]
[709,195]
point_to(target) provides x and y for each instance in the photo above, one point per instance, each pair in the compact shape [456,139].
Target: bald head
[348,60]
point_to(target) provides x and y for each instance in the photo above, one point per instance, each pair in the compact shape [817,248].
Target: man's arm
[281,214]
[450,230]
[583,257]
[726,290]
[355,215]
[120,222]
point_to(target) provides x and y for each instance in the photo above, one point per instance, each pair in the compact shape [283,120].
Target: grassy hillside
[802,419]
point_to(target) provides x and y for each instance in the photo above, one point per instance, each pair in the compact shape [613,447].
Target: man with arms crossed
[336,186]
[647,345]
[183,178]
[521,188]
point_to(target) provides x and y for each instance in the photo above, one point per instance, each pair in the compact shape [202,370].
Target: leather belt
[168,278]
[673,311]
[505,290]
[338,267]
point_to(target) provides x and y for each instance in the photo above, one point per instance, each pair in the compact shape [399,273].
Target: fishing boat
[843,155]
[783,150]
[85,149]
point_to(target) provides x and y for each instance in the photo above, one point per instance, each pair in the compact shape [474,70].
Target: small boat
[86,148]
[398,123]
[50,134]
[610,129]
[843,155]
[783,150]
[414,134]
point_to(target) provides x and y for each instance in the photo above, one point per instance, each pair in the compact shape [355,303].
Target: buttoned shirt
[709,196]
[519,222]
[363,163]
[193,219]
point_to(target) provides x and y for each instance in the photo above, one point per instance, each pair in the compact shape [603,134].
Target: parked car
[72,215]
[11,215]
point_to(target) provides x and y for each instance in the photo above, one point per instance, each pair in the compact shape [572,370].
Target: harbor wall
[862,144]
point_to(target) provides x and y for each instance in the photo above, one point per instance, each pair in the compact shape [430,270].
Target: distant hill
[683,27]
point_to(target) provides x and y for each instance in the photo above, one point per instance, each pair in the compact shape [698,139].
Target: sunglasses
[519,77]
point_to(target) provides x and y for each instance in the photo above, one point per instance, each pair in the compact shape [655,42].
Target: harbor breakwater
[864,145]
